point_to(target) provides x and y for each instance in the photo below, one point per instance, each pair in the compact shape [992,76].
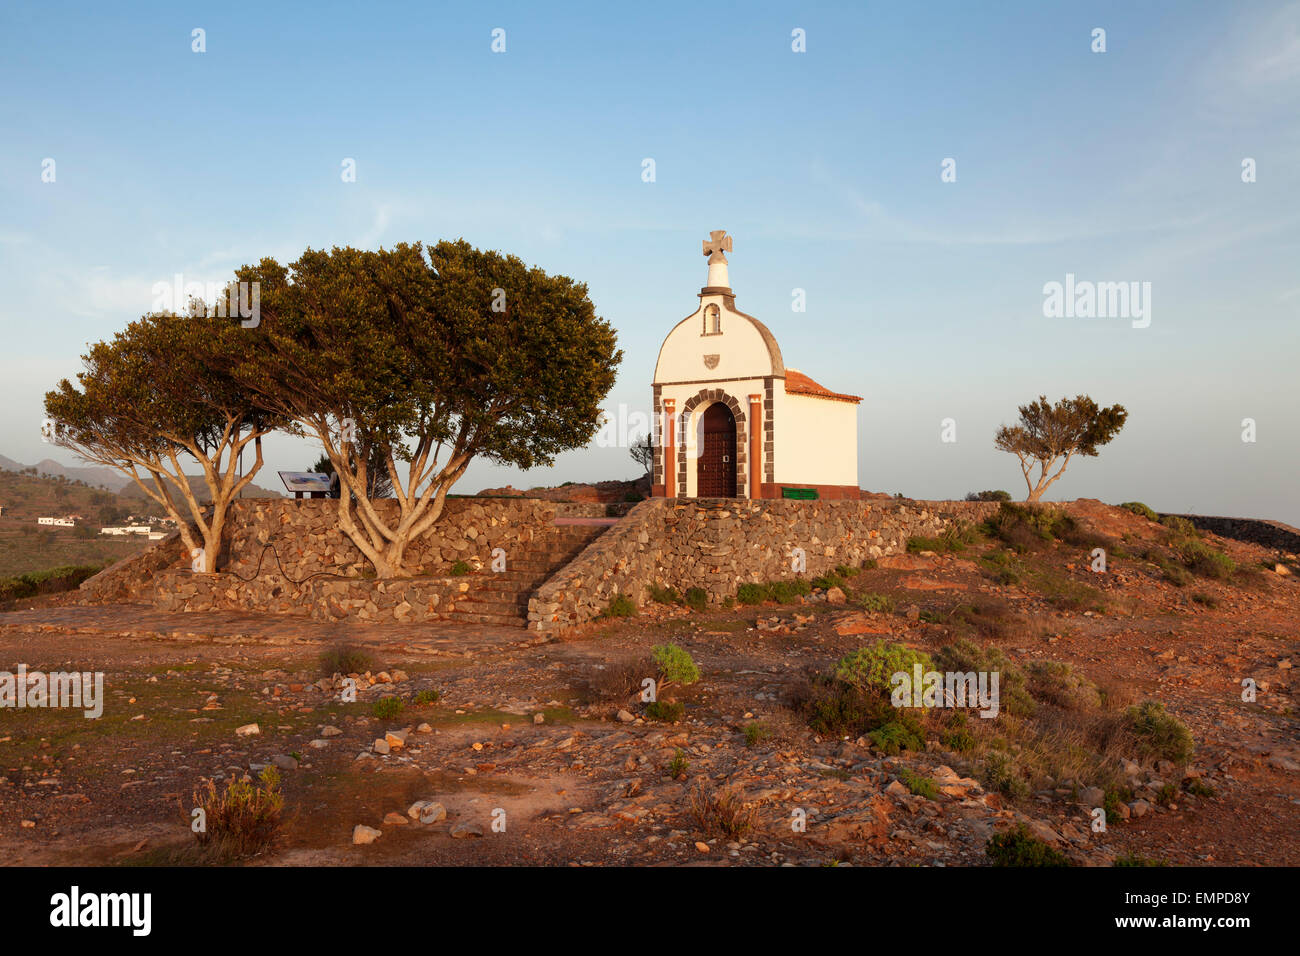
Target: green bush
[1180,527]
[1159,733]
[956,538]
[844,571]
[756,733]
[1173,573]
[620,606]
[834,708]
[999,772]
[667,711]
[1025,527]
[870,668]
[459,569]
[786,591]
[964,656]
[1138,508]
[675,665]
[988,496]
[663,595]
[1004,568]
[388,708]
[1133,859]
[876,602]
[345,659]
[921,786]
[827,581]
[697,599]
[1019,847]
[425,697]
[1056,683]
[895,736]
[678,766]
[1199,558]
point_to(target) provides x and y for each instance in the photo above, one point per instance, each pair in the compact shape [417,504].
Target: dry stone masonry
[720,543]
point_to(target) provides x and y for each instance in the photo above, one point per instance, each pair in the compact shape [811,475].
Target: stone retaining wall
[1269,534]
[307,539]
[323,598]
[719,544]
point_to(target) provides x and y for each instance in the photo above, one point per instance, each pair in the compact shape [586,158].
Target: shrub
[425,697]
[663,595]
[789,590]
[1019,847]
[345,659]
[964,656]
[955,538]
[1199,558]
[615,681]
[242,819]
[1159,733]
[667,711]
[1003,567]
[895,736]
[1138,508]
[1000,773]
[722,813]
[675,665]
[388,708]
[1025,527]
[785,591]
[620,606]
[1058,684]
[844,571]
[459,569]
[1111,803]
[876,602]
[1169,571]
[834,708]
[827,581]
[988,496]
[756,733]
[697,599]
[678,766]
[870,668]
[921,786]
[1180,527]
[1208,600]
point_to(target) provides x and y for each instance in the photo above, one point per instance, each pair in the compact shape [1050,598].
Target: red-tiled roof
[797,383]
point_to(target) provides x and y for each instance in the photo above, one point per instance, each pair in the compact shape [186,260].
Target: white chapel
[733,421]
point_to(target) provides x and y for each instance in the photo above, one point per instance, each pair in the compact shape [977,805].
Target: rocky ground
[527,756]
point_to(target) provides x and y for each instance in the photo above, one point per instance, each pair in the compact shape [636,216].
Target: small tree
[378,483]
[1050,433]
[426,364]
[643,453]
[155,397]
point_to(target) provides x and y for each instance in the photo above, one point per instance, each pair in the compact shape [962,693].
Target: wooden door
[716,470]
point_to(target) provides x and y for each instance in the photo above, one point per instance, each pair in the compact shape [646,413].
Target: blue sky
[925,297]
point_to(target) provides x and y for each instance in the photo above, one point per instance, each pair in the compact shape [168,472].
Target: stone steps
[501,598]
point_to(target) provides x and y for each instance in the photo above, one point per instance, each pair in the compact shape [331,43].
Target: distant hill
[96,477]
[132,492]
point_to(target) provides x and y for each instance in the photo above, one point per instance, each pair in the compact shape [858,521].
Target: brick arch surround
[702,400]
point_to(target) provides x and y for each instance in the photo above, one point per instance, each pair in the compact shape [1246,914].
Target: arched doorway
[715,471]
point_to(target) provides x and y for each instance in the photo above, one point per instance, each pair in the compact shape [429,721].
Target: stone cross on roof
[716,244]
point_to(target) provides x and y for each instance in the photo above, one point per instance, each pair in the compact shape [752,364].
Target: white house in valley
[732,421]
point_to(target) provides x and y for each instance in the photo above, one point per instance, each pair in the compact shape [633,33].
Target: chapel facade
[732,421]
